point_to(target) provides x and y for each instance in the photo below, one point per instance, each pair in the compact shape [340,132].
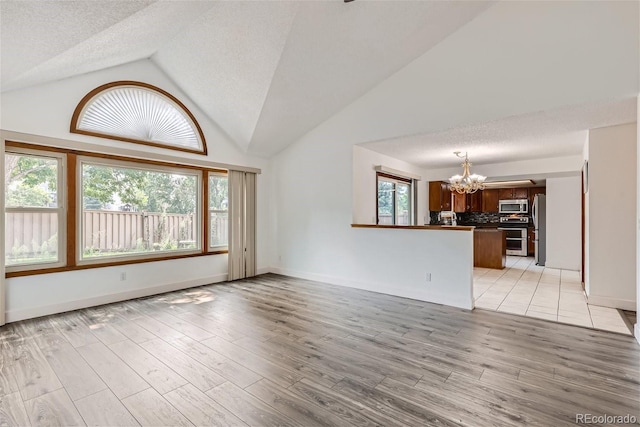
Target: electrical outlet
[428,277]
[123,276]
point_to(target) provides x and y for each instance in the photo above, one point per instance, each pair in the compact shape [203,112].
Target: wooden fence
[385,219]
[126,231]
[110,231]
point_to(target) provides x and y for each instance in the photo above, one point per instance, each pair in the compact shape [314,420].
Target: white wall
[611,243]
[364,184]
[564,218]
[46,110]
[313,183]
[39,295]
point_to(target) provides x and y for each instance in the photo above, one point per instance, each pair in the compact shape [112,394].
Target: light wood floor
[277,351]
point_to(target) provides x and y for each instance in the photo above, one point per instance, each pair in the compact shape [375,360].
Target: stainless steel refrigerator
[539,212]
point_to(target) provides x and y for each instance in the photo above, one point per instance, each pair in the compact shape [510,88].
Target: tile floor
[547,293]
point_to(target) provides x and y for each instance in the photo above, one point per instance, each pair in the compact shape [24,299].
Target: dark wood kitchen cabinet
[490,200]
[513,193]
[505,193]
[460,202]
[520,193]
[475,201]
[439,196]
[467,202]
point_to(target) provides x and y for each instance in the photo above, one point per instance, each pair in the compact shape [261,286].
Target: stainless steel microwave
[518,206]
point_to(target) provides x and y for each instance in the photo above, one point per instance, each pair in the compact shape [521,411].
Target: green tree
[30,170]
[171,193]
[218,192]
[103,183]
[29,179]
[386,195]
[28,196]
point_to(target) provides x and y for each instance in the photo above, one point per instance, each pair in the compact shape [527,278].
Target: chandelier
[467,182]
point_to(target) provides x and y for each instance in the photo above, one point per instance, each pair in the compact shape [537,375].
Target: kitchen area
[511,274]
[517,210]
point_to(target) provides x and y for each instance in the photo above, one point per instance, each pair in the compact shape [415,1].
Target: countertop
[416,227]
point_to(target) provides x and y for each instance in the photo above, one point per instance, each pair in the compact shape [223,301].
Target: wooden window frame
[87,160]
[412,197]
[72,188]
[62,199]
[73,128]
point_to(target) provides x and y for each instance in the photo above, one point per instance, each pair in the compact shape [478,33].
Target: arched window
[141,113]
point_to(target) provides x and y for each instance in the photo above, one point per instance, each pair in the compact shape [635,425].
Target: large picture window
[218,211]
[128,210]
[34,210]
[67,210]
[394,200]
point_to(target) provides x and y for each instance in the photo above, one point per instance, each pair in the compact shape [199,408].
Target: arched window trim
[89,97]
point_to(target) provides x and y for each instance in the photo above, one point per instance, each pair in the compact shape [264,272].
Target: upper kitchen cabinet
[474,201]
[513,193]
[467,202]
[505,193]
[490,200]
[520,193]
[439,196]
[460,202]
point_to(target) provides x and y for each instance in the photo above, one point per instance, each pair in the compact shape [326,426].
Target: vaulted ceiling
[269,72]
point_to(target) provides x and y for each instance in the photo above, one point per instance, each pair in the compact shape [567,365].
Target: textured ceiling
[44,41]
[35,32]
[229,73]
[268,72]
[335,53]
[554,133]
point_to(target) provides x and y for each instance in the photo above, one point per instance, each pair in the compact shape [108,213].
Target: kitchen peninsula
[489,248]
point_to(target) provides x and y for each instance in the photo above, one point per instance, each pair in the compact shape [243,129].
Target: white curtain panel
[242,225]
[250,224]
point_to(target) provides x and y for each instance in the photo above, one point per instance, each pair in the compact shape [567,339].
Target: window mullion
[73,171]
[395,203]
[206,216]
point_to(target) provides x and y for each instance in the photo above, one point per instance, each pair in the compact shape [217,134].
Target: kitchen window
[34,210]
[395,200]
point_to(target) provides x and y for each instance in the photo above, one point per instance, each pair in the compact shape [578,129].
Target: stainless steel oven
[515,227]
[516,240]
[518,206]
